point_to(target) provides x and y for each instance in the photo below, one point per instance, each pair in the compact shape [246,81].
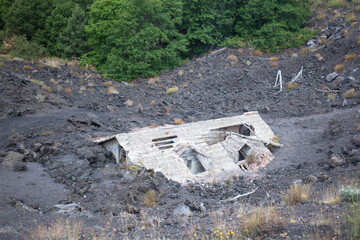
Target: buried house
[199,150]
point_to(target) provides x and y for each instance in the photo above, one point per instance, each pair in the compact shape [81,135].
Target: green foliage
[207,22]
[135,38]
[4,7]
[28,17]
[72,39]
[23,48]
[273,24]
[235,42]
[66,30]
[56,23]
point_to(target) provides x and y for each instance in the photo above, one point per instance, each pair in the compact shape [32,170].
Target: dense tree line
[126,39]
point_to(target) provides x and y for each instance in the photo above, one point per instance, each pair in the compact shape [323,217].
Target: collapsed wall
[199,150]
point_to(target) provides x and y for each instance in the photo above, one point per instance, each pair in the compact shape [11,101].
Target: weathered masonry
[199,150]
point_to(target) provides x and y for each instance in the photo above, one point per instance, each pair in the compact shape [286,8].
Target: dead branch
[298,76]
[328,90]
[241,195]
[278,81]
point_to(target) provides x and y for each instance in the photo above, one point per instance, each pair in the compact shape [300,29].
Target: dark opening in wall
[164,143]
[246,130]
[244,152]
[194,160]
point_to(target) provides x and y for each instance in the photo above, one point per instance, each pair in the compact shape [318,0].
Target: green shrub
[349,193]
[135,38]
[352,223]
[19,46]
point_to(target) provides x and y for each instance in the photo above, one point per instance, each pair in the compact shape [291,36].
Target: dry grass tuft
[292,85]
[251,158]
[172,90]
[331,195]
[274,59]
[349,93]
[274,64]
[276,139]
[339,67]
[351,56]
[350,18]
[297,193]
[69,230]
[233,58]
[107,83]
[345,32]
[68,91]
[358,42]
[262,220]
[331,96]
[151,198]
[258,53]
[129,102]
[304,51]
[27,67]
[179,121]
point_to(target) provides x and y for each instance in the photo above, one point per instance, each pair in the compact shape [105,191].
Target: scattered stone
[311,179]
[20,167]
[311,43]
[336,161]
[202,207]
[182,209]
[356,140]
[323,177]
[66,209]
[332,76]
[248,62]
[180,72]
[12,158]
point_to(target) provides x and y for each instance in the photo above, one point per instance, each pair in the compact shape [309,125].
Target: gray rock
[311,43]
[20,167]
[182,209]
[12,158]
[356,140]
[202,207]
[332,76]
[323,177]
[311,179]
[336,161]
[66,209]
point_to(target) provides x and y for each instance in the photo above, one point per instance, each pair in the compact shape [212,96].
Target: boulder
[182,209]
[12,158]
[311,179]
[336,161]
[332,76]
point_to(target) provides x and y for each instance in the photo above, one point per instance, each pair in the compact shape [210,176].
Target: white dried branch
[241,195]
[298,76]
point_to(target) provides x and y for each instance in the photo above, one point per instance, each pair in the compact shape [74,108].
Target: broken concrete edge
[195,150]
